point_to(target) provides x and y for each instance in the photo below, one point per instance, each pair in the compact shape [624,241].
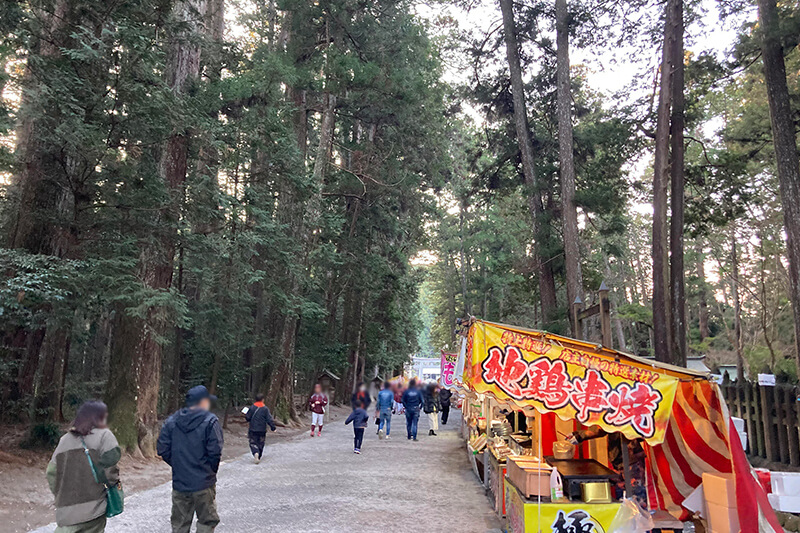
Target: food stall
[653,431]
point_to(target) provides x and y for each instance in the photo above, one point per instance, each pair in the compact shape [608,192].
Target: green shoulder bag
[115,497]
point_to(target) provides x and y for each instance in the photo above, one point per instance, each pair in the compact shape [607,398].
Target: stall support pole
[626,465]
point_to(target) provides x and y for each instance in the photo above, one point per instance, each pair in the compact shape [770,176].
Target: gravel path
[320,485]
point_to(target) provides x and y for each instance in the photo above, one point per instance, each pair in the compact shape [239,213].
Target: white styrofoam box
[739,423]
[743,438]
[786,484]
[786,504]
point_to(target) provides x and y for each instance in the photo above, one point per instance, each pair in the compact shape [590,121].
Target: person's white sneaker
[388,437]
[380,433]
[256,459]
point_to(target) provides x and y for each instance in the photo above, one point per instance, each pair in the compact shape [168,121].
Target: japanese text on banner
[591,388]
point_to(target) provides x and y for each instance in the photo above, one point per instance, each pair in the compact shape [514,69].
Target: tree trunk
[702,313]
[135,377]
[662,338]
[677,276]
[737,308]
[569,212]
[784,141]
[547,290]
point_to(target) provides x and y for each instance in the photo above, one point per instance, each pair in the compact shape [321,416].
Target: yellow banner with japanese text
[595,389]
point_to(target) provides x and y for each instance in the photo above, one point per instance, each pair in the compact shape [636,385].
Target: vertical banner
[448,369]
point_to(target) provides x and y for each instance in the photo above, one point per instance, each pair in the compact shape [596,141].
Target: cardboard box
[532,478]
[719,489]
[786,504]
[721,518]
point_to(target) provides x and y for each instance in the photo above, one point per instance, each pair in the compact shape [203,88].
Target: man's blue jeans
[412,418]
[386,419]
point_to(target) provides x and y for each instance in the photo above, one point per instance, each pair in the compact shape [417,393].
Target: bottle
[556,486]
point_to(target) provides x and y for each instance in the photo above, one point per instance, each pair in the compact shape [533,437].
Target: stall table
[529,516]
[496,469]
[576,471]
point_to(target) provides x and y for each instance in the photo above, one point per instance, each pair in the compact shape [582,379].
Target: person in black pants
[444,400]
[259,417]
[359,418]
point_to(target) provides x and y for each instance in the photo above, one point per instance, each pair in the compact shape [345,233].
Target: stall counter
[559,517]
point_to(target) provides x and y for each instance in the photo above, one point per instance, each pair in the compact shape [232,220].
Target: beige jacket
[79,498]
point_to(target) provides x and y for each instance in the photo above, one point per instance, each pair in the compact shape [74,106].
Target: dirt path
[319,485]
[26,501]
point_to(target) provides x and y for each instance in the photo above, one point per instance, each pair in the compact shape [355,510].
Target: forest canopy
[247,193]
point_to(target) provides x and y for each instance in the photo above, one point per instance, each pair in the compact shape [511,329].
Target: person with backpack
[432,407]
[259,417]
[83,464]
[191,443]
[412,402]
[444,400]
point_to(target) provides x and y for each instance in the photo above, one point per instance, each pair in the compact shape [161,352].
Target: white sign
[766,380]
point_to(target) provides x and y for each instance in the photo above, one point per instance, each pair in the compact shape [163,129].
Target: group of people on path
[84,465]
[430,399]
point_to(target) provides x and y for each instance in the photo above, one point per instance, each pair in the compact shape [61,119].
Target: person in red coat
[317,404]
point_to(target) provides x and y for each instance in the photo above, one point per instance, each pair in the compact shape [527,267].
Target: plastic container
[556,485]
[785,483]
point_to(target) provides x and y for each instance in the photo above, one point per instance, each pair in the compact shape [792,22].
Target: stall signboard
[564,517]
[449,361]
[592,388]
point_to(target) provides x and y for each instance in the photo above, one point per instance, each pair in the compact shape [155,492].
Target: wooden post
[766,418]
[759,417]
[750,421]
[605,316]
[780,423]
[790,402]
[577,323]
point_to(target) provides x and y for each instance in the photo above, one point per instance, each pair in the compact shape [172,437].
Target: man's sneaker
[256,459]
[433,433]
[409,437]
[357,451]
[415,439]
[380,434]
[388,437]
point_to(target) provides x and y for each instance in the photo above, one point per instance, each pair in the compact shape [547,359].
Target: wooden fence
[772,419]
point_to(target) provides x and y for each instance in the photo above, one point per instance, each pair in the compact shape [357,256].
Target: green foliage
[42,436]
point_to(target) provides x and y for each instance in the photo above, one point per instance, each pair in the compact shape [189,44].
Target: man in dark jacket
[431,407]
[412,402]
[444,400]
[259,417]
[191,443]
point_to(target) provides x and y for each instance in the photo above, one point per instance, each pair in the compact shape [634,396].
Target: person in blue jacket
[360,419]
[191,443]
[412,401]
[385,404]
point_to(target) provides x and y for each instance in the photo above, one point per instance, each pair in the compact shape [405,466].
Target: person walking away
[361,395]
[80,500]
[444,400]
[385,405]
[399,390]
[259,417]
[412,403]
[432,407]
[317,404]
[191,443]
[360,419]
